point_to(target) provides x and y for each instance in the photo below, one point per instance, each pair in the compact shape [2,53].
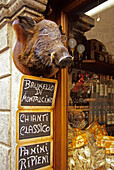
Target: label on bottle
[112,118]
[95,116]
[106,90]
[91,117]
[100,117]
[104,117]
[108,118]
[101,90]
[112,90]
[109,90]
[97,88]
[101,57]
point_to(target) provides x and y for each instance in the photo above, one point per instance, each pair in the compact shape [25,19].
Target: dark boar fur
[43,49]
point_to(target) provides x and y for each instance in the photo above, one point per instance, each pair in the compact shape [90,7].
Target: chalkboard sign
[34,156]
[36,92]
[33,125]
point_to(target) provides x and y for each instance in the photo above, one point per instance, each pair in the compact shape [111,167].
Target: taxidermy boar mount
[39,49]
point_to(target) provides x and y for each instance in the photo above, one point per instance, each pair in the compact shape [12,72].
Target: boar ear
[38,19]
[60,28]
[27,23]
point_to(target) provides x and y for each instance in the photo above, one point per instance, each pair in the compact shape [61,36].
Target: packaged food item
[109,145]
[98,157]
[82,158]
[79,141]
[71,164]
[71,133]
[101,140]
[70,149]
[93,126]
[103,128]
[78,131]
[97,131]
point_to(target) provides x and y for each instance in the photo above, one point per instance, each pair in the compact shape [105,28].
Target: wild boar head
[43,52]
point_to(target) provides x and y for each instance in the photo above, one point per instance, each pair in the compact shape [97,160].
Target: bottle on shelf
[97,85]
[95,112]
[112,111]
[92,90]
[91,114]
[101,95]
[104,115]
[109,88]
[106,88]
[100,115]
[108,115]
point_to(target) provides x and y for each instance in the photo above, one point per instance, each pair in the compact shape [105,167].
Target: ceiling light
[100,8]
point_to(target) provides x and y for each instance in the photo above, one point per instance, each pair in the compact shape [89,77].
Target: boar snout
[62,58]
[65,61]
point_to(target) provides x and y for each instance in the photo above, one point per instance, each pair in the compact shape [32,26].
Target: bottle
[109,89]
[111,86]
[73,78]
[97,93]
[86,76]
[91,114]
[95,112]
[101,95]
[108,115]
[112,114]
[106,88]
[87,118]
[85,56]
[100,115]
[113,89]
[92,90]
[104,115]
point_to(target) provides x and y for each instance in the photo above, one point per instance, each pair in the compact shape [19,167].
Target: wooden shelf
[100,100]
[77,109]
[96,66]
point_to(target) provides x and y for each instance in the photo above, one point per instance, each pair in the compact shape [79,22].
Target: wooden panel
[60,116]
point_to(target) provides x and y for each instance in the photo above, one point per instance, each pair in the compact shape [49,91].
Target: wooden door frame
[60,111]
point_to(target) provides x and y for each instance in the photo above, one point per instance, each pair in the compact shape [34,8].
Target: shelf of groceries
[91,122]
[91,148]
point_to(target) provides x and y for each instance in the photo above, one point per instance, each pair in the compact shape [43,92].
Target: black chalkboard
[37,92]
[33,125]
[34,156]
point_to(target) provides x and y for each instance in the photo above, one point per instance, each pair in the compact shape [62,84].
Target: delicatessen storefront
[85,129]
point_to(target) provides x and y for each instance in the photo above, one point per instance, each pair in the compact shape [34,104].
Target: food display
[90,117]
[90,148]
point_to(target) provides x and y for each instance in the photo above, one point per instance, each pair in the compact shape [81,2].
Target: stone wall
[10,76]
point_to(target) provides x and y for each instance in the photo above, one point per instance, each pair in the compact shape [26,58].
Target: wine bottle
[108,115]
[101,87]
[104,115]
[109,89]
[97,93]
[100,115]
[105,88]
[111,86]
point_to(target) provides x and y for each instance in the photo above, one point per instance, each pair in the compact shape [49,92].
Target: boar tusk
[52,56]
[72,58]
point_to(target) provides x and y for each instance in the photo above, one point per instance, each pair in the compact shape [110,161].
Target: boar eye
[44,31]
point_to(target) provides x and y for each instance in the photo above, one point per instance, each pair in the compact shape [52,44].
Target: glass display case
[90,115]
